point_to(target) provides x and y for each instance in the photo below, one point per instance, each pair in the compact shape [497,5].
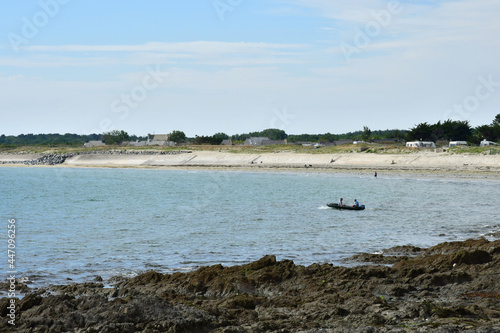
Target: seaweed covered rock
[447,288]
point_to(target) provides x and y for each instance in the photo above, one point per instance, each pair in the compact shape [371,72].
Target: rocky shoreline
[451,287]
[60,158]
[47,159]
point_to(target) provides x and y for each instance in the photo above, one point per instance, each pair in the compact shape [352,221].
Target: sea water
[73,224]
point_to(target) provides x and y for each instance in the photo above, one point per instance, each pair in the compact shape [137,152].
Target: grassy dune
[289,148]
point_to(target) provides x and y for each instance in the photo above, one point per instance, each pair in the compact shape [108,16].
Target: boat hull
[337,206]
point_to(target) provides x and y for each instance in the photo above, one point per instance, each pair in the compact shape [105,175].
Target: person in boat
[341,202]
[356,203]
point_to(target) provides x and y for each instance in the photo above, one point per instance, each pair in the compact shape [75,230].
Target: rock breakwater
[55,158]
[47,159]
[453,287]
[135,152]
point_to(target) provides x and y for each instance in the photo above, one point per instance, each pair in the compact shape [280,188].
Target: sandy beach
[464,165]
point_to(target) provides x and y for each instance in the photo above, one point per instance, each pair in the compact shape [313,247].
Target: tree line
[449,130]
[68,139]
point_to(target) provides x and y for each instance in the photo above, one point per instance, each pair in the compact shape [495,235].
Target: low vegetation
[365,148]
[441,133]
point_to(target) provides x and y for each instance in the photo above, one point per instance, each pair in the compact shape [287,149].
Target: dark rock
[472,258]
[375,258]
[266,261]
[405,250]
[29,301]
[452,287]
[98,278]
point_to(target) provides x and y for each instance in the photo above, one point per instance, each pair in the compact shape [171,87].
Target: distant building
[158,137]
[457,143]
[137,143]
[159,140]
[263,141]
[343,142]
[227,142]
[255,141]
[485,143]
[421,144]
[95,143]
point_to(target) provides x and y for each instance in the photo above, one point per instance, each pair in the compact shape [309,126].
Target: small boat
[337,206]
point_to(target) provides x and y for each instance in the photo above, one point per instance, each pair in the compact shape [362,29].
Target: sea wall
[419,161]
[397,162]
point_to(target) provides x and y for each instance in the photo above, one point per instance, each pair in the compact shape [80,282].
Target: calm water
[77,223]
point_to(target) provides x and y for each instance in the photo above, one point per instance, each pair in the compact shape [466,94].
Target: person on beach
[341,202]
[356,203]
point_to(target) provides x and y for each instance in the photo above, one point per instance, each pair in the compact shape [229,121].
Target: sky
[237,66]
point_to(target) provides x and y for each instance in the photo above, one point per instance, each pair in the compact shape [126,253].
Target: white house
[458,143]
[421,144]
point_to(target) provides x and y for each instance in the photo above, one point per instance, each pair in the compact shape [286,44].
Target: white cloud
[200,53]
[199,47]
[428,58]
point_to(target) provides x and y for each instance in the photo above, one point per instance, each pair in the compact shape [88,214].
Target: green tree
[422,131]
[397,134]
[217,138]
[452,130]
[496,121]
[274,134]
[367,134]
[177,136]
[115,137]
[495,126]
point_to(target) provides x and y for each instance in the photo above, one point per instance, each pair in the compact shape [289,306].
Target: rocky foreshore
[452,287]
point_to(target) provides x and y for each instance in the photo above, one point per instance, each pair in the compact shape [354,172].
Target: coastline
[430,164]
[446,288]
[449,287]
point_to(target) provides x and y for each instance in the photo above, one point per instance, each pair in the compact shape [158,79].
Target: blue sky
[235,66]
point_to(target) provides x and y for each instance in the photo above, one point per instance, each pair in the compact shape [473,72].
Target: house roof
[159,137]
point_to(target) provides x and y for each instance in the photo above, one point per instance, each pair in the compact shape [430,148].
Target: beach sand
[429,163]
